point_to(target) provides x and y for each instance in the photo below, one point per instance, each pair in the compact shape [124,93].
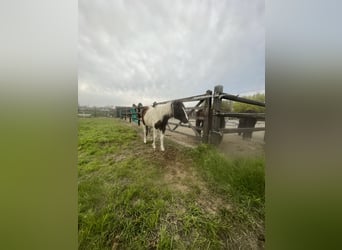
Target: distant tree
[242,107]
[226,106]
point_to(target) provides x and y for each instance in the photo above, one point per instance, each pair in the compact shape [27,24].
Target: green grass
[126,201]
[243,179]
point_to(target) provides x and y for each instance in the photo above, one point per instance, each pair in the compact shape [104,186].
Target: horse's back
[146,115]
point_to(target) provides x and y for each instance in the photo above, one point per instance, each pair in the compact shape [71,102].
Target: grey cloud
[164,50]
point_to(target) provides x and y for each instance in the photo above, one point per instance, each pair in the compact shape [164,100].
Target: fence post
[140,107]
[207,118]
[216,138]
[129,114]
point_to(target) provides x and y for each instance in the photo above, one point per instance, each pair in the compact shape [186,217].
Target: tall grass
[119,204]
[243,179]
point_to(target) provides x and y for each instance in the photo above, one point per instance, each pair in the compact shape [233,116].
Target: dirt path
[232,145]
[178,173]
[180,176]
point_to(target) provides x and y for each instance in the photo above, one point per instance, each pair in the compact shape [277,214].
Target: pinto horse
[157,117]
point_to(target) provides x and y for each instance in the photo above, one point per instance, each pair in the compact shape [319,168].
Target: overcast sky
[133,51]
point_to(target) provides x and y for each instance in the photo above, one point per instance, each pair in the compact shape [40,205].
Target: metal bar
[241,99]
[185,126]
[189,99]
[181,125]
[259,116]
[178,132]
[237,130]
[196,132]
[196,107]
[194,128]
[191,109]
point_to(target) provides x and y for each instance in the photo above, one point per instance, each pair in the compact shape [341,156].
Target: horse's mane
[163,109]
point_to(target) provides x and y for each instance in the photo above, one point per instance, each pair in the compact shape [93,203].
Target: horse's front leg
[154,138]
[162,141]
[145,133]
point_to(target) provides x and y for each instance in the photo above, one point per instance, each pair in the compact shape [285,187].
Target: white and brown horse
[157,117]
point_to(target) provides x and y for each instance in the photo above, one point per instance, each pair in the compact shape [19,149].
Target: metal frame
[212,132]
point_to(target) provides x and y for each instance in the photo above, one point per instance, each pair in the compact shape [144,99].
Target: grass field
[131,197]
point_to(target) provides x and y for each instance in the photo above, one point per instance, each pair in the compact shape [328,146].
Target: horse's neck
[165,109]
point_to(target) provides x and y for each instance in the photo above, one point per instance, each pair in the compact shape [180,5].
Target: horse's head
[178,110]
